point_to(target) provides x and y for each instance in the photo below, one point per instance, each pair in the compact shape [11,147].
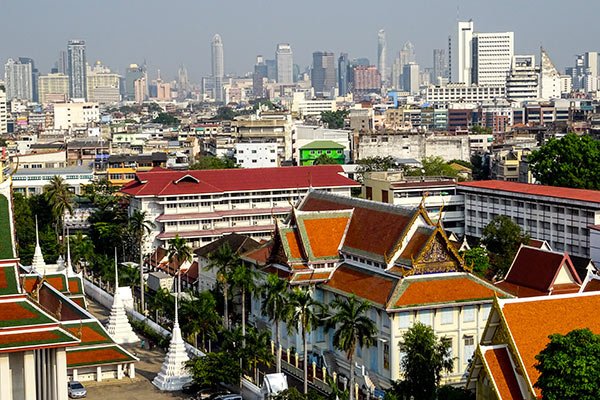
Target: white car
[76,390]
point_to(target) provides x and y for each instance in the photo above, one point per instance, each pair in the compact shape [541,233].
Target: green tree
[569,366]
[140,226]
[334,119]
[304,312]
[199,317]
[433,166]
[572,161]
[478,259]
[257,348]
[481,166]
[502,238]
[448,392]
[354,328]
[244,279]
[24,228]
[82,251]
[211,162]
[224,261]
[377,163]
[213,369]
[481,130]
[60,198]
[274,292]
[225,114]
[179,250]
[425,358]
[162,304]
[166,119]
[324,159]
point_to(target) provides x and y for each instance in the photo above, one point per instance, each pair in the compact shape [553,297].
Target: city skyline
[188,42]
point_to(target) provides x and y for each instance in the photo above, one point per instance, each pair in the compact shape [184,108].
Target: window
[425,317]
[404,320]
[447,316]
[469,348]
[468,313]
[386,356]
[385,320]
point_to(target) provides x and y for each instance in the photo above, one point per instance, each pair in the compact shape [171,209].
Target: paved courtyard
[140,388]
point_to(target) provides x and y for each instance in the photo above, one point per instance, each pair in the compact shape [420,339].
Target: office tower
[440,65]
[140,87]
[381,54]
[77,68]
[523,81]
[103,85]
[323,74]
[396,78]
[34,76]
[63,63]
[285,64]
[218,67]
[271,70]
[3,112]
[132,74]
[590,63]
[407,54]
[343,64]
[18,82]
[261,72]
[53,88]
[410,78]
[492,58]
[365,80]
[461,50]
[550,79]
[183,83]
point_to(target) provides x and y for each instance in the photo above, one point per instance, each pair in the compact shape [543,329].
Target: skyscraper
[407,54]
[218,67]
[132,74]
[343,74]
[492,58]
[381,54]
[183,83]
[3,113]
[461,71]
[323,74]
[285,64]
[77,69]
[410,78]
[62,65]
[18,80]
[261,72]
[440,65]
[34,76]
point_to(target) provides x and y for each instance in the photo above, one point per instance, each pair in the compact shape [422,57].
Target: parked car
[230,396]
[76,390]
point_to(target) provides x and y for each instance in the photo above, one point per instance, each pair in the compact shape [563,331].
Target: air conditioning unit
[233,224]
[253,205]
[233,206]
[255,223]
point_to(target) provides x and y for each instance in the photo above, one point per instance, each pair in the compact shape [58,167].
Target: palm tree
[303,312]
[244,279]
[199,317]
[83,251]
[353,328]
[139,227]
[224,260]
[257,350]
[60,199]
[273,305]
[179,250]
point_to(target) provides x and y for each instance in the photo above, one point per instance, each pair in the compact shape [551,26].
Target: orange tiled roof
[103,355]
[75,285]
[592,286]
[503,374]
[36,339]
[444,289]
[530,322]
[325,235]
[417,241]
[259,255]
[89,334]
[370,286]
[310,277]
[292,240]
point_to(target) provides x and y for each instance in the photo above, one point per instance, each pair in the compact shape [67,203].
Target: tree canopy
[324,159]
[215,368]
[572,161]
[502,238]
[334,119]
[478,259]
[166,119]
[569,366]
[212,162]
[433,166]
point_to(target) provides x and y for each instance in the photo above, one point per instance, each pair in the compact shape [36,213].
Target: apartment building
[560,216]
[203,205]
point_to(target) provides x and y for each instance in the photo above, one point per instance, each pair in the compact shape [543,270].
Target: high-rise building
[285,64]
[62,65]
[523,81]
[132,74]
[365,80]
[3,113]
[140,87]
[343,64]
[381,54]
[77,69]
[323,74]
[410,78]
[218,67]
[183,83]
[407,54]
[18,81]
[53,88]
[261,72]
[440,65]
[396,81]
[460,49]
[492,58]
[103,85]
[550,78]
[34,76]
[271,70]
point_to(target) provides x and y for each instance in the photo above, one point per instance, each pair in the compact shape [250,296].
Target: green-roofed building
[310,152]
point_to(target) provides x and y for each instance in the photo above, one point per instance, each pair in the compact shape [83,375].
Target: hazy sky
[168,33]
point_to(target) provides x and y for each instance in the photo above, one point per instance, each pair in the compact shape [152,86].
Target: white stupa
[173,373]
[38,263]
[118,325]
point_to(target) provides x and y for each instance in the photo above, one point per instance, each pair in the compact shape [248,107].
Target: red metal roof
[537,190]
[171,183]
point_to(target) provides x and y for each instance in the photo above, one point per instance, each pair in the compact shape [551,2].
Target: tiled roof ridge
[362,203]
[503,302]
